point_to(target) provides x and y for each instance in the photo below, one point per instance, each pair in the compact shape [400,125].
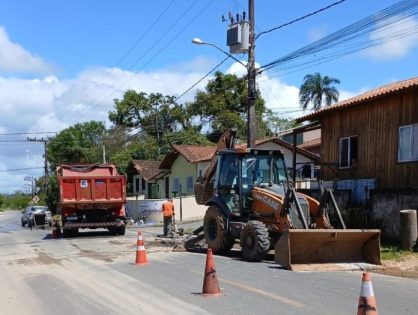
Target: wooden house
[372,135]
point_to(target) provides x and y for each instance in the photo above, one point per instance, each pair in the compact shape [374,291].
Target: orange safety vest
[168,209]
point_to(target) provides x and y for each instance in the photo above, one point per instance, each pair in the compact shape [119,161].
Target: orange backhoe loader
[249,198]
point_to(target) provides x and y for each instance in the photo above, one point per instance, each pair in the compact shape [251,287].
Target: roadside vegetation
[16,201]
[395,253]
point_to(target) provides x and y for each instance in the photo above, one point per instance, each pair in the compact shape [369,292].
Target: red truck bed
[92,189]
[88,184]
[92,196]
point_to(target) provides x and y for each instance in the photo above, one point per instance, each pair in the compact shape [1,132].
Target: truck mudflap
[301,249]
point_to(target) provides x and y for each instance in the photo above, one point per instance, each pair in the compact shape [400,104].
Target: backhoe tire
[255,241]
[215,231]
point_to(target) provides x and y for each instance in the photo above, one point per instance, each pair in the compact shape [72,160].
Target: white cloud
[395,48]
[279,96]
[14,58]
[317,33]
[51,104]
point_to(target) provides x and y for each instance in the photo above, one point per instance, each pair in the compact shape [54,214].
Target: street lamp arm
[198,41]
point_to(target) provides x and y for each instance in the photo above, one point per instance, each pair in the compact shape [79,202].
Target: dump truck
[250,199]
[91,196]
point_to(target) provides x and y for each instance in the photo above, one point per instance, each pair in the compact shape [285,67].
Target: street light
[251,73]
[198,41]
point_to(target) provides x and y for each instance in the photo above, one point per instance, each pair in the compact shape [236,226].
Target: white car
[29,212]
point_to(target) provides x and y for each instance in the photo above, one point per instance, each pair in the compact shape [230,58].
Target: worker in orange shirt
[168,214]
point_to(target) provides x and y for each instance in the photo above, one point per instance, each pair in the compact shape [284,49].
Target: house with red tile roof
[372,135]
[142,178]
[369,144]
[186,163]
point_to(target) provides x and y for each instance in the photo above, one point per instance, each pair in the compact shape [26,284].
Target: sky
[64,62]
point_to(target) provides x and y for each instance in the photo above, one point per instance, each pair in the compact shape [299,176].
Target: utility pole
[44,141]
[252,92]
[104,153]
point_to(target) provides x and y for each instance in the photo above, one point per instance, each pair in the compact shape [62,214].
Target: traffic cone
[141,254]
[367,301]
[210,282]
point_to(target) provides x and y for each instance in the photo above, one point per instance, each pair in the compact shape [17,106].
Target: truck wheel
[215,231]
[23,223]
[121,230]
[66,233]
[255,241]
[113,230]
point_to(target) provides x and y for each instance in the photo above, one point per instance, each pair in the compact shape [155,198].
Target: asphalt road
[94,274]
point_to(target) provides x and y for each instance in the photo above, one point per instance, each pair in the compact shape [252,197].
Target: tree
[278,124]
[53,194]
[153,114]
[318,90]
[80,143]
[223,104]
[1,200]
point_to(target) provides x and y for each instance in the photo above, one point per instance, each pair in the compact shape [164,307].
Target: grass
[393,252]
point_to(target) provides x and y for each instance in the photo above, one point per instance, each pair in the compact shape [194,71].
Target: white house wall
[288,154]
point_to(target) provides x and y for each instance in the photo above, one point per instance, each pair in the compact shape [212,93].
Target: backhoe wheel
[215,231]
[255,241]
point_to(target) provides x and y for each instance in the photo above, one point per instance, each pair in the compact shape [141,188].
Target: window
[408,143]
[143,186]
[136,186]
[176,184]
[189,183]
[348,152]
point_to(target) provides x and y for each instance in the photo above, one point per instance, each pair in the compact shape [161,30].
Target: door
[167,187]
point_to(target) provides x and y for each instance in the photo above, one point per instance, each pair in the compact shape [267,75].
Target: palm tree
[318,90]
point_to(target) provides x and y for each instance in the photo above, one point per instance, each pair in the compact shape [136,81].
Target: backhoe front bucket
[297,247]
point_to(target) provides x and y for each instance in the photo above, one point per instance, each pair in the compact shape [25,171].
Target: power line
[131,48]
[27,133]
[202,78]
[167,31]
[379,20]
[300,19]
[22,169]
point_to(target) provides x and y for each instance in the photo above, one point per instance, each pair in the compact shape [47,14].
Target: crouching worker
[168,214]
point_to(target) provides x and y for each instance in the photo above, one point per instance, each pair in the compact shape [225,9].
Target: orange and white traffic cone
[210,281]
[141,254]
[367,301]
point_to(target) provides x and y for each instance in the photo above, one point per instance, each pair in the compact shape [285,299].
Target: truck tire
[23,223]
[113,230]
[121,230]
[215,231]
[255,241]
[69,233]
[66,233]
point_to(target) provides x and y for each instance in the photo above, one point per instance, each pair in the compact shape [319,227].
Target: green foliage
[80,143]
[276,123]
[185,136]
[318,90]
[223,104]
[1,200]
[393,252]
[140,149]
[15,201]
[154,114]
[52,196]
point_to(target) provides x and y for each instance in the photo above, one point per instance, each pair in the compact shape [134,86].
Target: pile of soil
[406,267]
